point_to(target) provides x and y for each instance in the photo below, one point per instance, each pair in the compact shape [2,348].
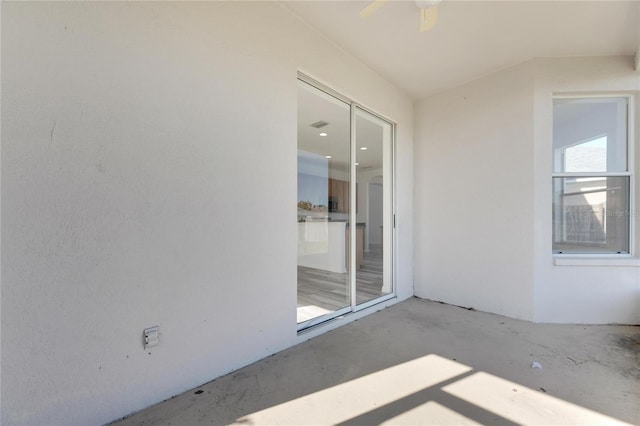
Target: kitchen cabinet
[339,194]
[325,245]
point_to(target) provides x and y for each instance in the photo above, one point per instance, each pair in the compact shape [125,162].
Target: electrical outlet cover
[151,337]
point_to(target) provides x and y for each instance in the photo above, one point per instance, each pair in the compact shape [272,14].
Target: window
[592,175]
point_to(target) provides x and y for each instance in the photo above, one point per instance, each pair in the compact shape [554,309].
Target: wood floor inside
[321,292]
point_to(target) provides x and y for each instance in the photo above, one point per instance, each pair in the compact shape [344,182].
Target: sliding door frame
[355,307]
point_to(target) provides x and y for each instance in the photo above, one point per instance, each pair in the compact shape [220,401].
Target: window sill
[596,261]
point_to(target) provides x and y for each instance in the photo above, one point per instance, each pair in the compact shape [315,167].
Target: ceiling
[471,38]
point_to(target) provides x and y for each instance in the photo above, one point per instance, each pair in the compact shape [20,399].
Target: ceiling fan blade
[372,8]
[428,18]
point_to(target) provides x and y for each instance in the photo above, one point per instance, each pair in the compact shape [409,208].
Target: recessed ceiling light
[327,156]
[364,148]
[357,164]
[323,134]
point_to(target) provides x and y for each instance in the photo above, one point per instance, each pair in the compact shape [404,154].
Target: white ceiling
[471,38]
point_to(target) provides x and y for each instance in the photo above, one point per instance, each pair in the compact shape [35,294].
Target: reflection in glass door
[374,218]
[345,208]
[324,132]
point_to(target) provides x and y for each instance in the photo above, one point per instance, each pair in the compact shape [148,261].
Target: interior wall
[473,184]
[148,173]
[601,291]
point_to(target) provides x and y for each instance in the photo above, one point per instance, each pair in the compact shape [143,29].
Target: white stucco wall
[473,185]
[149,178]
[600,291]
[483,198]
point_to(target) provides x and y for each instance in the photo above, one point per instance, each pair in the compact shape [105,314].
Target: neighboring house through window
[592,175]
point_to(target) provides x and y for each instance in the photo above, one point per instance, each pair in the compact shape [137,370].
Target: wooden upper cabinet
[339,192]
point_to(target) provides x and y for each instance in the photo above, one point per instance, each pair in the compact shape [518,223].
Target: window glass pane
[591,215]
[588,156]
[590,135]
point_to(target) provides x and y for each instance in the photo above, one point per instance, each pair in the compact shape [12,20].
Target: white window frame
[619,259]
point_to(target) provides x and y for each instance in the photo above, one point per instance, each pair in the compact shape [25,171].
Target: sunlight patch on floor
[523,405]
[359,396]
[306,313]
[365,395]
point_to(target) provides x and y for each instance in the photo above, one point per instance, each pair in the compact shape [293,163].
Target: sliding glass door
[374,218]
[345,208]
[324,181]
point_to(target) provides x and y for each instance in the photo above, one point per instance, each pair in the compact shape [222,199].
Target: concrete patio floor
[422,362]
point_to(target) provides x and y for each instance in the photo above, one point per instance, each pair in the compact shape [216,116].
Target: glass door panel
[374,211]
[324,188]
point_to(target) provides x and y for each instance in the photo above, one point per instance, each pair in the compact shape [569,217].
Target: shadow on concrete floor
[422,362]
